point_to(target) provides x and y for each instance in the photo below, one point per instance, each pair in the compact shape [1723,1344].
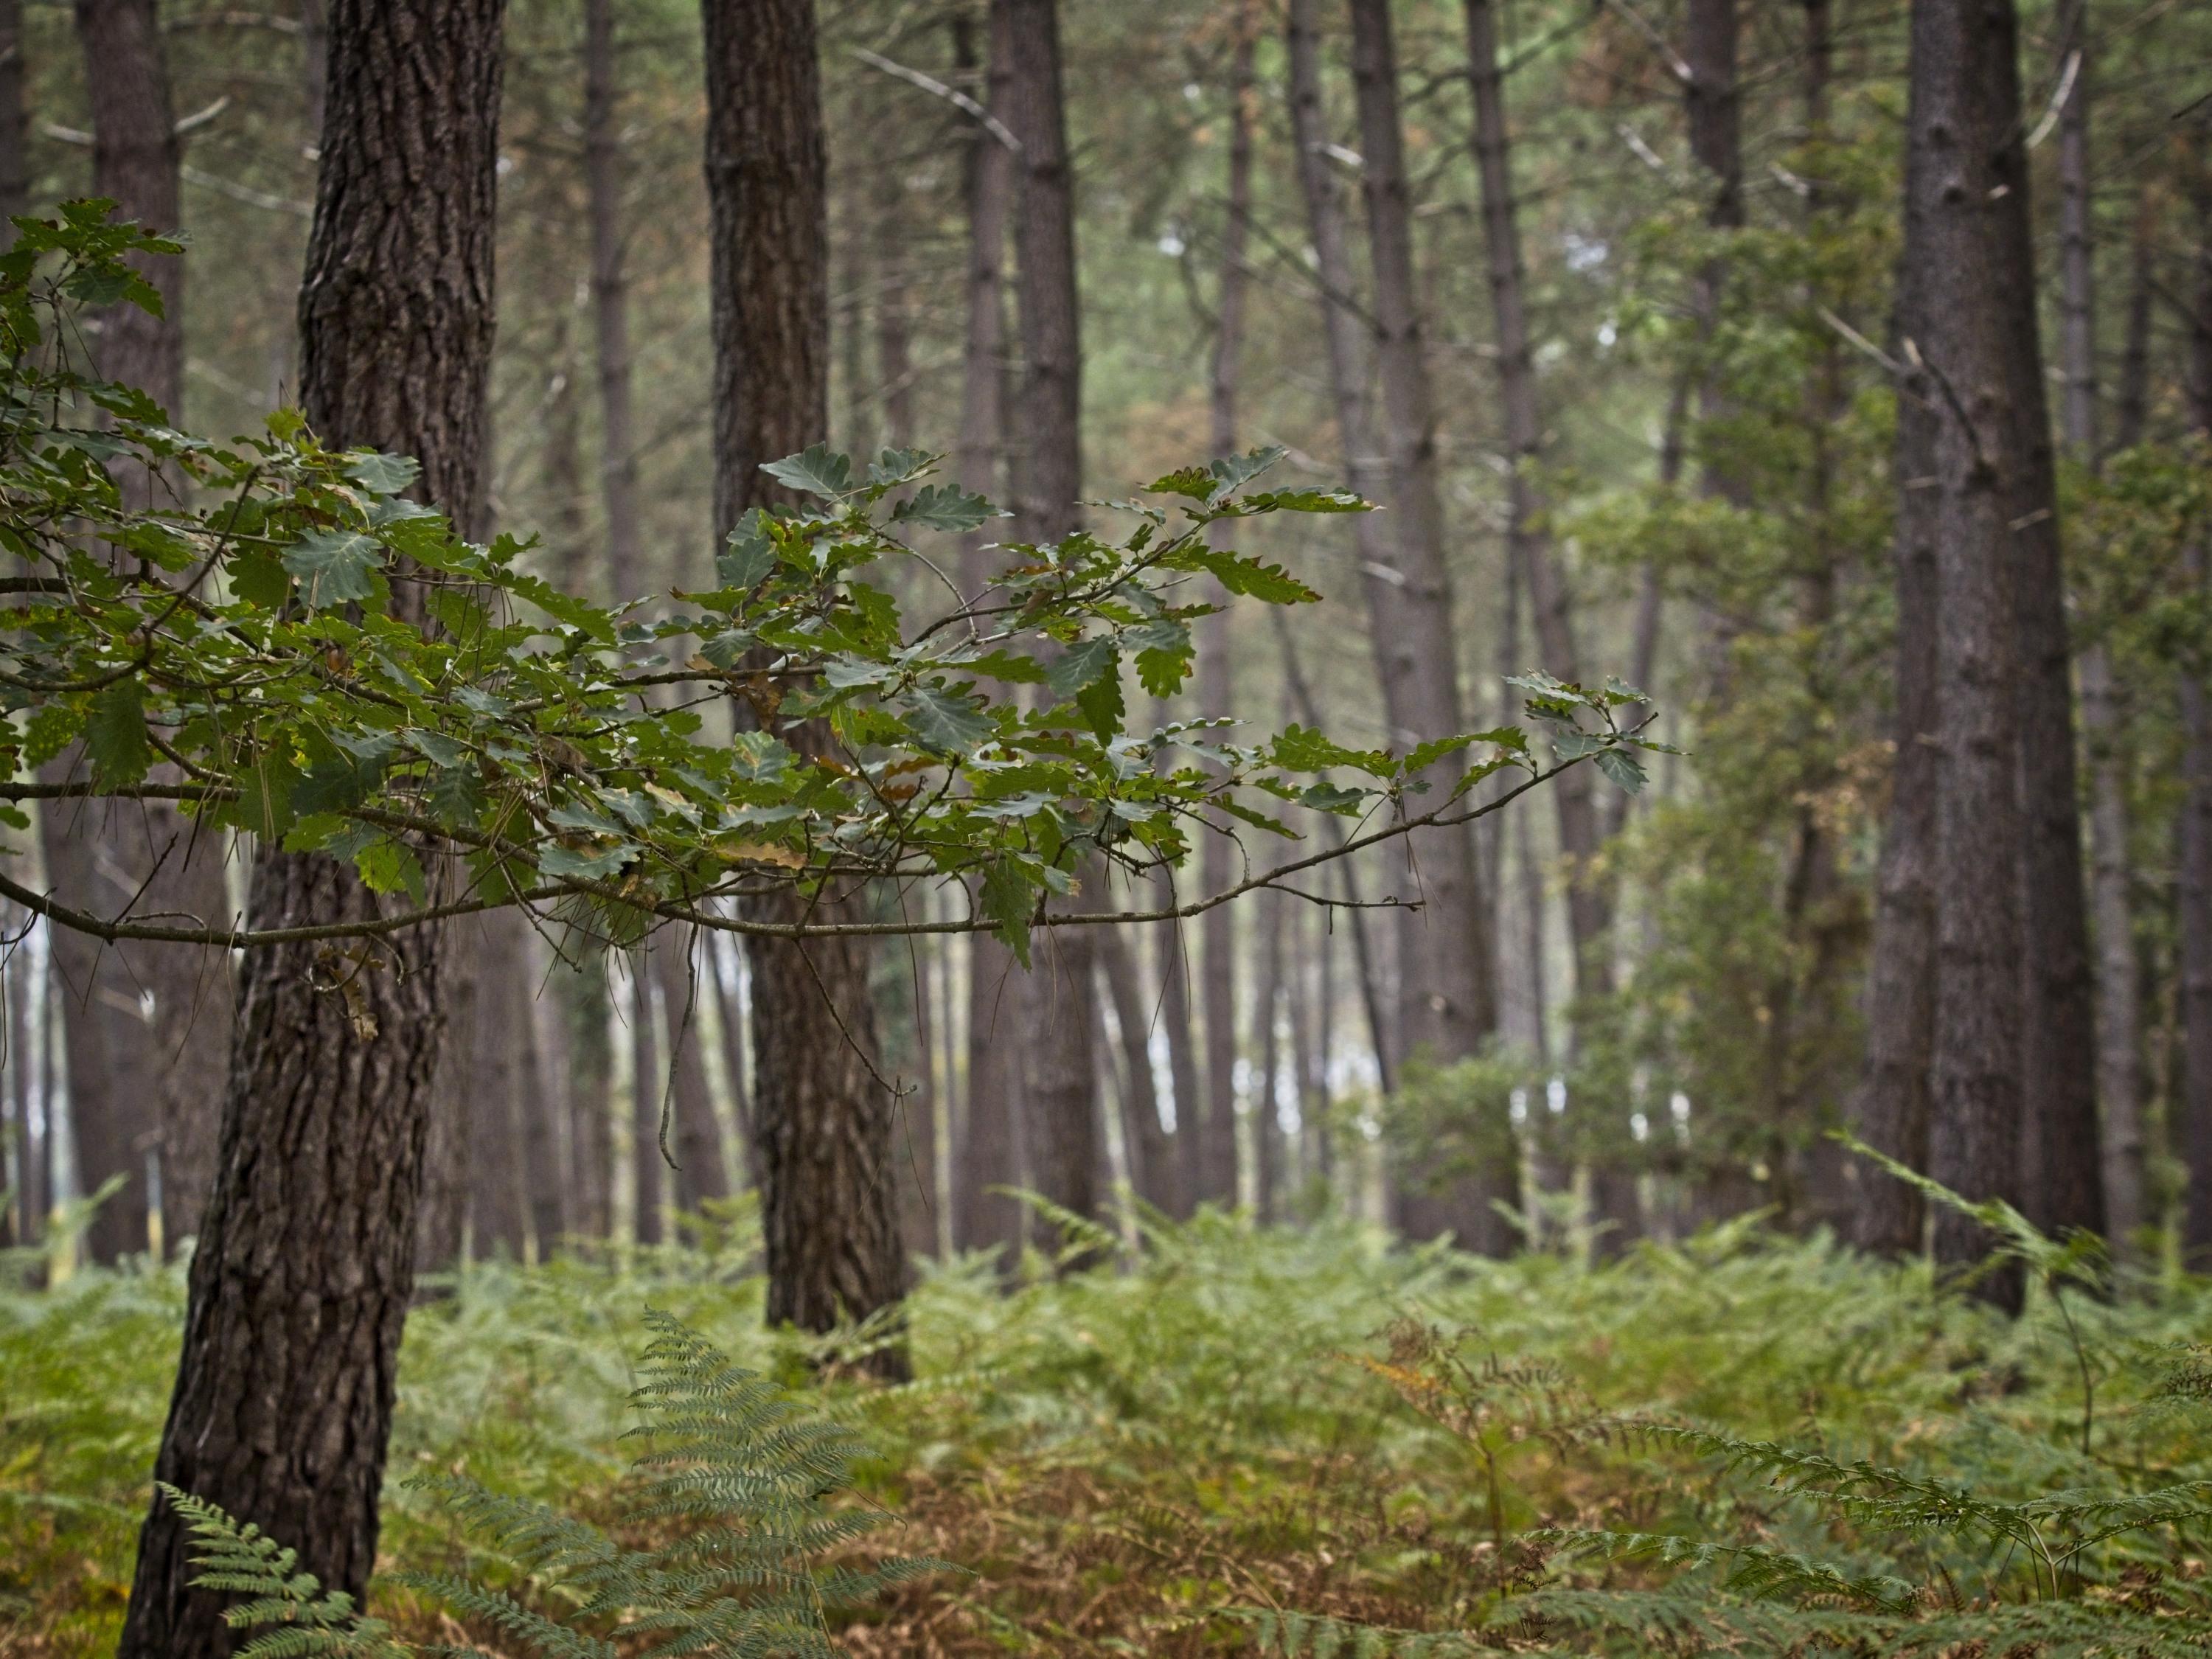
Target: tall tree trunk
[1060,1085]
[984,1216]
[2194,918]
[1589,902]
[1266,1097]
[1171,956]
[702,1169]
[485,1058]
[1446,1003]
[2119,1063]
[611,302]
[1957,132]
[299,1286]
[1892,1107]
[1714,105]
[989,1147]
[1151,1153]
[824,1121]
[913,1144]
[159,1082]
[555,1176]
[1217,692]
[2060,1183]
[14,127]
[586,1014]
[648,1095]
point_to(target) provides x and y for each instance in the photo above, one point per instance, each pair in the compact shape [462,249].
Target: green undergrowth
[1263,1440]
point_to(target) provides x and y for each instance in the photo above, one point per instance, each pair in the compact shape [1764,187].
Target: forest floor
[1148,1462]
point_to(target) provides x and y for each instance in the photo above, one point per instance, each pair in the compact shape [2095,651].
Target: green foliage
[295,1617]
[738,1480]
[1125,1456]
[322,659]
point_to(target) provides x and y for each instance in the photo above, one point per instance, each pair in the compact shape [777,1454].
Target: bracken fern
[736,1477]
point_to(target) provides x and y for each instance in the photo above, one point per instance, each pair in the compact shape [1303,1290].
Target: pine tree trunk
[987,1150]
[15,162]
[1956,135]
[1446,1004]
[2118,1065]
[485,1063]
[2194,910]
[1217,691]
[1892,1107]
[610,303]
[301,1283]
[1267,1103]
[154,1083]
[984,1216]
[1171,956]
[585,1014]
[1151,1153]
[823,1119]
[1060,1080]
[2060,1185]
[701,1172]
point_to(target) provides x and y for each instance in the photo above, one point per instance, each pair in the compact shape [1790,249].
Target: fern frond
[297,1618]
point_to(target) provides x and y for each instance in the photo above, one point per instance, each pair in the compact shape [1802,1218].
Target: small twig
[953,96]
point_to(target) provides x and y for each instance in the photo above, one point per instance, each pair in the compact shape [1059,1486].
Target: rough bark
[1217,692]
[2118,1062]
[1956,132]
[301,1283]
[2060,1180]
[823,1119]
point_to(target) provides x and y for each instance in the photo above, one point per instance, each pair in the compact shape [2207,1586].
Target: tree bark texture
[1957,136]
[2060,1180]
[823,1121]
[299,1286]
